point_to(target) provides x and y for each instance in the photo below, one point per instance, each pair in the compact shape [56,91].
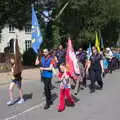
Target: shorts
[18,82]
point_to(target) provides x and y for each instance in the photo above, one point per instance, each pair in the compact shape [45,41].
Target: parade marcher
[79,79]
[60,54]
[95,67]
[16,79]
[109,56]
[46,67]
[105,65]
[81,56]
[81,62]
[53,54]
[115,59]
[64,77]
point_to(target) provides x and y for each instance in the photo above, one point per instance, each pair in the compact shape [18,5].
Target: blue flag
[89,51]
[36,34]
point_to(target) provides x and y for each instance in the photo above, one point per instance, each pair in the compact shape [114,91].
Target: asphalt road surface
[101,105]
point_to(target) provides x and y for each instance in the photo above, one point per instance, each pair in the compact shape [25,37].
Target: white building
[8,34]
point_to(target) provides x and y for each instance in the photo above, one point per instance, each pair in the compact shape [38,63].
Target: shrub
[29,57]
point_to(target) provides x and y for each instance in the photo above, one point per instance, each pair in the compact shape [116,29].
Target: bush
[29,57]
[4,67]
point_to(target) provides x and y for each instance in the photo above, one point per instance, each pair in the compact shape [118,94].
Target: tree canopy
[78,18]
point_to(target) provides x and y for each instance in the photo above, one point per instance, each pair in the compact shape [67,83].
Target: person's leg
[68,96]
[11,87]
[19,84]
[77,85]
[111,66]
[61,106]
[93,79]
[99,79]
[47,89]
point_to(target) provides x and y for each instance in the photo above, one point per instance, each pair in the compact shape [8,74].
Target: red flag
[71,60]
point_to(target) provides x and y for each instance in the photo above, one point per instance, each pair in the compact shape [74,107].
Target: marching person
[64,77]
[46,67]
[109,56]
[15,80]
[60,54]
[95,67]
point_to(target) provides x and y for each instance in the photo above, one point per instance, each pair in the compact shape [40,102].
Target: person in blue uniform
[95,67]
[46,67]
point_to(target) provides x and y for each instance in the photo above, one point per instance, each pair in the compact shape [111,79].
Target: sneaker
[60,110]
[21,101]
[46,107]
[92,90]
[75,93]
[11,102]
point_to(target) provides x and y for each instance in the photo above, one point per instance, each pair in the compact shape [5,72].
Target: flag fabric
[36,34]
[97,44]
[89,51]
[18,65]
[71,59]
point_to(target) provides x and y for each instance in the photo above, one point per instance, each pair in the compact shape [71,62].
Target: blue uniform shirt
[45,62]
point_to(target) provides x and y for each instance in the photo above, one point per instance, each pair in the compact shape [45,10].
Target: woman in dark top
[95,67]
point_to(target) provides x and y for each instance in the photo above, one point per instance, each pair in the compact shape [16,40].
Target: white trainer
[10,102]
[21,101]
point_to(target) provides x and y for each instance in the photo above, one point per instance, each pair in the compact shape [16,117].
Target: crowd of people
[93,67]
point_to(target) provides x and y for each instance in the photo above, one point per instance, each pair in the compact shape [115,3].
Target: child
[64,76]
[15,80]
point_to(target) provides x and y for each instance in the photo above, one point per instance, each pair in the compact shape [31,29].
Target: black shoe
[51,103]
[92,90]
[46,106]
[75,93]
[101,87]
[72,105]
[60,110]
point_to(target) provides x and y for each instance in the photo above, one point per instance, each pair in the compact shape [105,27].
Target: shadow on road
[27,96]
[54,96]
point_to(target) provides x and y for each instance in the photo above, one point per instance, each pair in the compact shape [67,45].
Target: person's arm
[37,62]
[88,66]
[49,68]
[101,63]
[56,60]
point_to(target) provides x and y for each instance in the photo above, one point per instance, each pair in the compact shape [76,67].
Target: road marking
[28,110]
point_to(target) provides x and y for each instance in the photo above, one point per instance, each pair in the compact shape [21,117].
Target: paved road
[102,105]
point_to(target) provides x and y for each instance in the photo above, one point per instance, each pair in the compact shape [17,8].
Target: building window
[28,29]
[27,44]
[11,28]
